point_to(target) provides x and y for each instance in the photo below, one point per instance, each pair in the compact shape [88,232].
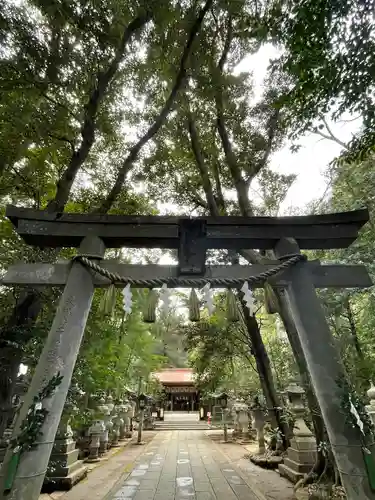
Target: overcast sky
[315,154]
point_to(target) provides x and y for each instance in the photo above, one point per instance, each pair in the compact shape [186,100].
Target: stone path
[179,465]
[182,465]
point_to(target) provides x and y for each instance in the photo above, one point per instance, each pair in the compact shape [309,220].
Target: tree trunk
[26,311]
[312,402]
[265,375]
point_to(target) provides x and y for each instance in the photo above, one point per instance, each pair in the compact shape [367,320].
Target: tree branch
[29,187]
[64,184]
[271,133]
[63,139]
[202,167]
[198,200]
[218,188]
[330,136]
[162,116]
[238,180]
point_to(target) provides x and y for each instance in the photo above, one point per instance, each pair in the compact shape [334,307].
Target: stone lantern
[301,454]
[64,468]
[121,412]
[223,401]
[241,426]
[118,422]
[104,415]
[110,404]
[95,432]
[127,417]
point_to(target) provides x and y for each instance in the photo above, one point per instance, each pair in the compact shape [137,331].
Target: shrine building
[179,388]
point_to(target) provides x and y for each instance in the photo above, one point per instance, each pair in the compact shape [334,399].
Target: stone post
[225,424]
[301,455]
[371,407]
[59,356]
[243,418]
[140,426]
[258,424]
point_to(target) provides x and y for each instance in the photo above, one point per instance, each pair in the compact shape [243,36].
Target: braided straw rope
[190,282]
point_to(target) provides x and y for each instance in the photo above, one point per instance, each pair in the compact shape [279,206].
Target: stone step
[290,473]
[181,426]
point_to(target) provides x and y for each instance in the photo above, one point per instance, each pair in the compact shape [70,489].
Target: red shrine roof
[175,376]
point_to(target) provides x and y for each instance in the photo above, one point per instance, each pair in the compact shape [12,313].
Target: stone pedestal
[243,419]
[148,420]
[301,455]
[64,468]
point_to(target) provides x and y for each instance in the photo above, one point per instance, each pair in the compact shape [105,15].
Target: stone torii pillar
[326,372]
[59,355]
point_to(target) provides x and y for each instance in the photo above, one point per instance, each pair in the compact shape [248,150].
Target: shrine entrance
[180,393]
[290,272]
[182,401]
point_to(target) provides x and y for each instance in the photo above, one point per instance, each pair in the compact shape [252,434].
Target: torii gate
[297,277]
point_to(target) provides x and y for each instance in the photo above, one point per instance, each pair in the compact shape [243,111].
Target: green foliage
[30,429]
[220,353]
[329,60]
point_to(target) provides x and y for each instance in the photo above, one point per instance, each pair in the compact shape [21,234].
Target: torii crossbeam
[191,237]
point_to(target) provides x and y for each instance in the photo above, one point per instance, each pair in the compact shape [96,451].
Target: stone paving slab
[181,465]
[190,467]
[264,482]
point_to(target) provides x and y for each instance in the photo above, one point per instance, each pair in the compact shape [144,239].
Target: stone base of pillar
[237,433]
[247,437]
[92,459]
[103,448]
[266,461]
[64,469]
[300,458]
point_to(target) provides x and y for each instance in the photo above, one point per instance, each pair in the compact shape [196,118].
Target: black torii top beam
[43,229]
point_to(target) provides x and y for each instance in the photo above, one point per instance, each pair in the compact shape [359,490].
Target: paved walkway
[179,465]
[184,466]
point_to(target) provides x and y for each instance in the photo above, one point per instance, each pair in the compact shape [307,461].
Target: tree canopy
[140,108]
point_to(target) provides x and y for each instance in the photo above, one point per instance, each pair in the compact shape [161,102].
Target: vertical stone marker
[326,372]
[59,355]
